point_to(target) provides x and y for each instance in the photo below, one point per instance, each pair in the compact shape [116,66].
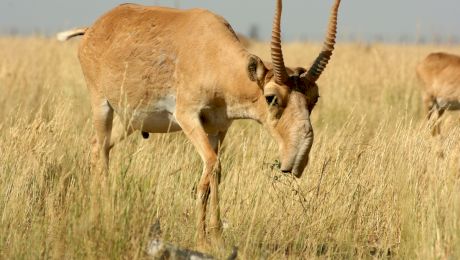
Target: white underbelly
[157,117]
[155,122]
[448,104]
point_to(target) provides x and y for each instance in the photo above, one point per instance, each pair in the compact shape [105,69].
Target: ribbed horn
[320,63]
[281,75]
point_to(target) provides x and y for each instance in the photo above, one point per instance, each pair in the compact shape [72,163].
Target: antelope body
[440,74]
[163,70]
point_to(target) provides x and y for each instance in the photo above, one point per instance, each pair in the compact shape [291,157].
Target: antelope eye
[312,104]
[272,100]
[316,100]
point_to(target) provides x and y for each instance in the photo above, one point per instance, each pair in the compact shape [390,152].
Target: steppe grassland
[377,185]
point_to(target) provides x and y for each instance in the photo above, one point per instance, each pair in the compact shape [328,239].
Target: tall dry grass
[377,186]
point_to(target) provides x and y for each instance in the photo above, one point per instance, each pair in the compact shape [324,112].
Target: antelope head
[290,96]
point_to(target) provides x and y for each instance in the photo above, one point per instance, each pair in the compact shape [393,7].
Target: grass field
[378,185]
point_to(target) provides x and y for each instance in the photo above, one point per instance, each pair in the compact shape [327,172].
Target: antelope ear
[299,71]
[256,70]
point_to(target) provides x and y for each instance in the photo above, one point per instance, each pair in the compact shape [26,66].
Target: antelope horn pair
[313,74]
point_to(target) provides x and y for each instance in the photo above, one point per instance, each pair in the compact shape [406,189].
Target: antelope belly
[155,122]
[157,117]
[448,104]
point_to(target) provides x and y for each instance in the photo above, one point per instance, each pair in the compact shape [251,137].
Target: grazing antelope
[164,70]
[440,73]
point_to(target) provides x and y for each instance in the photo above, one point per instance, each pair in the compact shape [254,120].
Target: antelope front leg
[201,204]
[215,224]
[209,181]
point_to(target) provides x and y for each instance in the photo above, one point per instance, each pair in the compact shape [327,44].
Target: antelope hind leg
[102,120]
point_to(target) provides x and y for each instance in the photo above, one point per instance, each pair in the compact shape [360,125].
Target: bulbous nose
[295,172]
[286,171]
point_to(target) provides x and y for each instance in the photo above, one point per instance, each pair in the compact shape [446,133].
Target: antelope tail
[64,36]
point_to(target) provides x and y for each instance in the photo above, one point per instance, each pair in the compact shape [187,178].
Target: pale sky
[302,19]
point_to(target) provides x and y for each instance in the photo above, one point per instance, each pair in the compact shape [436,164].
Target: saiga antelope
[440,73]
[164,70]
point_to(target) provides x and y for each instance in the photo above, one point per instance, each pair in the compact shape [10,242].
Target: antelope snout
[292,171]
[286,171]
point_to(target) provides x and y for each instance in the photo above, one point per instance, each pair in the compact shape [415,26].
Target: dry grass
[377,186]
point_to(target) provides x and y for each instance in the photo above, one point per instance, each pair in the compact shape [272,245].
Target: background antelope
[163,70]
[440,74]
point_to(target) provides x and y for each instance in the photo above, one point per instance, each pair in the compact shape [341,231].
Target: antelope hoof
[217,241]
[203,245]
